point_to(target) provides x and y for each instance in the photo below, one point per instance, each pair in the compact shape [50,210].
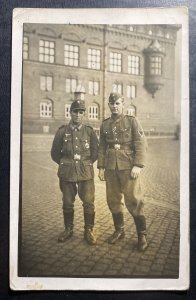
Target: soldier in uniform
[121,157]
[75,149]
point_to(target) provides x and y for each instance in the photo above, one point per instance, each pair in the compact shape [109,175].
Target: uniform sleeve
[94,144]
[102,150]
[57,146]
[139,144]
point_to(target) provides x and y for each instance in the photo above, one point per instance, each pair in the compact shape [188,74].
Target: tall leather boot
[140,222]
[118,220]
[68,232]
[88,228]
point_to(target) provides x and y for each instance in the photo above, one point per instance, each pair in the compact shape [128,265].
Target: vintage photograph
[100,154]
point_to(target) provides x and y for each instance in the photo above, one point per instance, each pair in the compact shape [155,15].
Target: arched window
[67,111]
[93,112]
[131,111]
[46,107]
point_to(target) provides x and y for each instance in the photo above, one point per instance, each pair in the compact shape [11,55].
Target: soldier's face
[77,116]
[116,107]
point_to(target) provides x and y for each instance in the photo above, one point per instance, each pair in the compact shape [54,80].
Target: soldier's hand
[135,172]
[101,174]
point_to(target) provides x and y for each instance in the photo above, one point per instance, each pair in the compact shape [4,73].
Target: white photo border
[172,15]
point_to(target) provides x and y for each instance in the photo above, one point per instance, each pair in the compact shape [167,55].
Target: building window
[46,83]
[117,88]
[115,62]
[94,59]
[71,55]
[46,109]
[133,64]
[25,47]
[131,91]
[131,28]
[93,87]
[93,112]
[155,65]
[131,111]
[150,32]
[70,85]
[46,51]
[67,111]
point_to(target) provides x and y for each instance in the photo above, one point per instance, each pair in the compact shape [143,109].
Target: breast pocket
[108,136]
[126,135]
[67,145]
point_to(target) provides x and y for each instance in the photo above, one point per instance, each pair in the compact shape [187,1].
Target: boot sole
[142,249]
[64,240]
[120,238]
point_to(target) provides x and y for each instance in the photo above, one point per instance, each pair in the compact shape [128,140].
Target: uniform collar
[73,127]
[118,119]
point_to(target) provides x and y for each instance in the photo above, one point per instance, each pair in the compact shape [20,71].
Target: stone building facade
[137,61]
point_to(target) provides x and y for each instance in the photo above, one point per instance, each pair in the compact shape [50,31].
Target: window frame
[91,60]
[116,90]
[134,64]
[93,115]
[25,51]
[47,104]
[113,66]
[156,65]
[46,83]
[67,111]
[131,94]
[47,49]
[71,89]
[71,53]
[95,91]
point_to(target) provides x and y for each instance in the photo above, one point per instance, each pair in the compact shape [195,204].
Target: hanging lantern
[79,92]
[153,79]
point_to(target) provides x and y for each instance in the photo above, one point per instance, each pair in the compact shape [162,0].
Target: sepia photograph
[99,150]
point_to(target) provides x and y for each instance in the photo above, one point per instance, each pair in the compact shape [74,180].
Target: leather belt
[119,147]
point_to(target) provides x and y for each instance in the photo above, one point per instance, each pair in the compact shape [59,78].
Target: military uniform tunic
[75,150]
[122,146]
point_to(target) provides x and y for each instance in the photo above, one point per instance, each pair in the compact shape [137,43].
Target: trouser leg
[69,192]
[140,222]
[115,204]
[113,192]
[86,191]
[135,205]
[118,220]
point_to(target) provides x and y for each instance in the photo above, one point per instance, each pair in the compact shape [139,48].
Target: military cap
[78,105]
[114,96]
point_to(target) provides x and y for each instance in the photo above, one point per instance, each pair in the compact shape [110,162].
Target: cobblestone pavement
[42,220]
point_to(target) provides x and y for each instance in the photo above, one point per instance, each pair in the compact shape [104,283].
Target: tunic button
[76,137]
[76,161]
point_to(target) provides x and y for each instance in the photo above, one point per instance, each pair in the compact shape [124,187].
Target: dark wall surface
[6,8]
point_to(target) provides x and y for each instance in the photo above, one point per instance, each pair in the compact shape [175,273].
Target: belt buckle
[117,146]
[77,156]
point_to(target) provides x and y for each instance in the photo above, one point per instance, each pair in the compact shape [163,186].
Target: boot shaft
[118,220]
[89,220]
[68,219]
